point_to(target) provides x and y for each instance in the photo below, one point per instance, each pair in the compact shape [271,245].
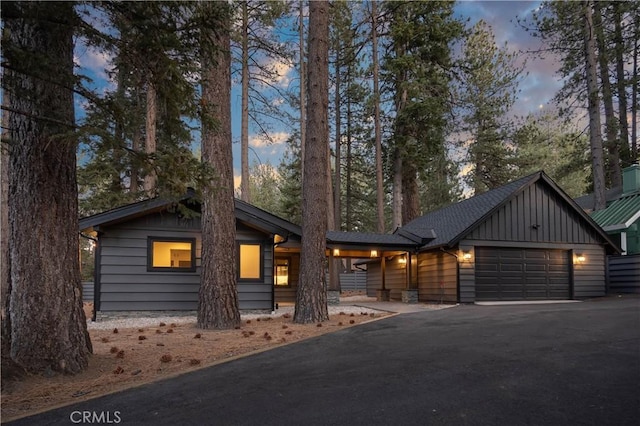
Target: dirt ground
[129,357]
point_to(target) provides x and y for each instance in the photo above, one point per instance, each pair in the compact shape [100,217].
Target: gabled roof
[245,212]
[454,222]
[620,214]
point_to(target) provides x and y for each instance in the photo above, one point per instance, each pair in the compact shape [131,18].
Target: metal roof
[620,214]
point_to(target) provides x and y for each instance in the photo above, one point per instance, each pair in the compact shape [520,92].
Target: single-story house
[526,240]
[147,257]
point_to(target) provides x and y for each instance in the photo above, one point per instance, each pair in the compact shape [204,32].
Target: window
[282,271]
[171,254]
[250,262]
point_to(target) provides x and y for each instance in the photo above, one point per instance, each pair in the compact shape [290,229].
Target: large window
[171,254]
[282,271]
[250,261]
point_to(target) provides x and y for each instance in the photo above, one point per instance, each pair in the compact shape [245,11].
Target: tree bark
[48,325]
[5,260]
[611,123]
[303,93]
[244,136]
[410,196]
[397,189]
[150,139]
[621,84]
[311,298]
[218,297]
[376,119]
[595,136]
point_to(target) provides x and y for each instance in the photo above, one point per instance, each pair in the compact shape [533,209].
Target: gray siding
[624,274]
[288,294]
[353,281]
[395,278]
[87,291]
[537,214]
[437,277]
[125,283]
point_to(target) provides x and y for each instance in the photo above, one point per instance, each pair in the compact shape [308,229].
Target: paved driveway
[573,364]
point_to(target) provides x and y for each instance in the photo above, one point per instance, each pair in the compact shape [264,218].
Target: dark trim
[252,243]
[96,277]
[152,239]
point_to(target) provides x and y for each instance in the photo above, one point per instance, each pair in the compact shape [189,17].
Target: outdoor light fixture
[402,260]
[374,253]
[580,258]
[466,255]
[336,252]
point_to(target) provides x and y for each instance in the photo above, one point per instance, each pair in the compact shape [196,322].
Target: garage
[522,274]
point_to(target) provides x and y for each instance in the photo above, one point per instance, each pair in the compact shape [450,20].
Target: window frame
[152,239]
[275,271]
[260,258]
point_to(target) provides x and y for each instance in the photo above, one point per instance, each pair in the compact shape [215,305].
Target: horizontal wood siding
[437,277]
[126,285]
[589,278]
[354,281]
[467,271]
[396,277]
[624,274]
[374,278]
[536,215]
[87,291]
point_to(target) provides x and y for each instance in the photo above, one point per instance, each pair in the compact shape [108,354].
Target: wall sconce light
[336,252]
[579,259]
[402,260]
[374,253]
[466,256]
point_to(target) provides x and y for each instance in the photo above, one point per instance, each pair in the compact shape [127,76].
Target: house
[526,240]
[147,257]
[621,218]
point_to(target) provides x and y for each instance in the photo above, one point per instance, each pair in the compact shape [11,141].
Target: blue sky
[537,87]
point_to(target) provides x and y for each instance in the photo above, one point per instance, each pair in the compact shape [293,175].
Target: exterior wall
[395,278]
[125,284]
[536,215]
[624,274]
[588,278]
[437,277]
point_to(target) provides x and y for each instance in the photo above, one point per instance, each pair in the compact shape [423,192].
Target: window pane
[250,261]
[171,254]
[282,272]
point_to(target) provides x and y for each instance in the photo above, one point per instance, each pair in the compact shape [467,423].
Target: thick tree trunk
[595,135]
[376,119]
[244,131]
[311,298]
[611,123]
[150,139]
[5,260]
[410,195]
[303,93]
[397,190]
[48,325]
[621,84]
[218,299]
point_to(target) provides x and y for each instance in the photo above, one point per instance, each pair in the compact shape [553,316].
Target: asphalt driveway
[569,364]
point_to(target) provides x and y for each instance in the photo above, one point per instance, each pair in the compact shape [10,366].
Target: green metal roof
[620,214]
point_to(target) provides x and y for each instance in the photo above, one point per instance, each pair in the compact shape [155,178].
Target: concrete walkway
[397,307]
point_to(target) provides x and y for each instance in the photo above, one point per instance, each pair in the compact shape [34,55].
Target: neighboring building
[621,218]
[526,240]
[148,257]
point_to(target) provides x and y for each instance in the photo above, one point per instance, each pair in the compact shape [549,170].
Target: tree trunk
[621,84]
[634,90]
[48,325]
[5,260]
[595,136]
[303,93]
[218,299]
[150,139]
[397,189]
[311,298]
[376,119]
[244,136]
[611,124]
[410,195]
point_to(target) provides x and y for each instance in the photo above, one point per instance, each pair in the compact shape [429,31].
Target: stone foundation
[410,296]
[333,297]
[382,295]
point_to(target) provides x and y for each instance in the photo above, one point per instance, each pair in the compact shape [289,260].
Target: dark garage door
[522,274]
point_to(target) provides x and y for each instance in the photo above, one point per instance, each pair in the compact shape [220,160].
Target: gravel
[141,322]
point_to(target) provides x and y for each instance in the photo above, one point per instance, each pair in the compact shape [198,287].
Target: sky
[537,87]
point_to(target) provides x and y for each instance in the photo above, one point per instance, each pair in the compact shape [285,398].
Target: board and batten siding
[125,284]
[535,215]
[437,277]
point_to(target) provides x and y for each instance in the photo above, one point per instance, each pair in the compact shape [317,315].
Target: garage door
[522,274]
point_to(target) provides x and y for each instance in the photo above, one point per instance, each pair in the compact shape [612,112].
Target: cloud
[261,141]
